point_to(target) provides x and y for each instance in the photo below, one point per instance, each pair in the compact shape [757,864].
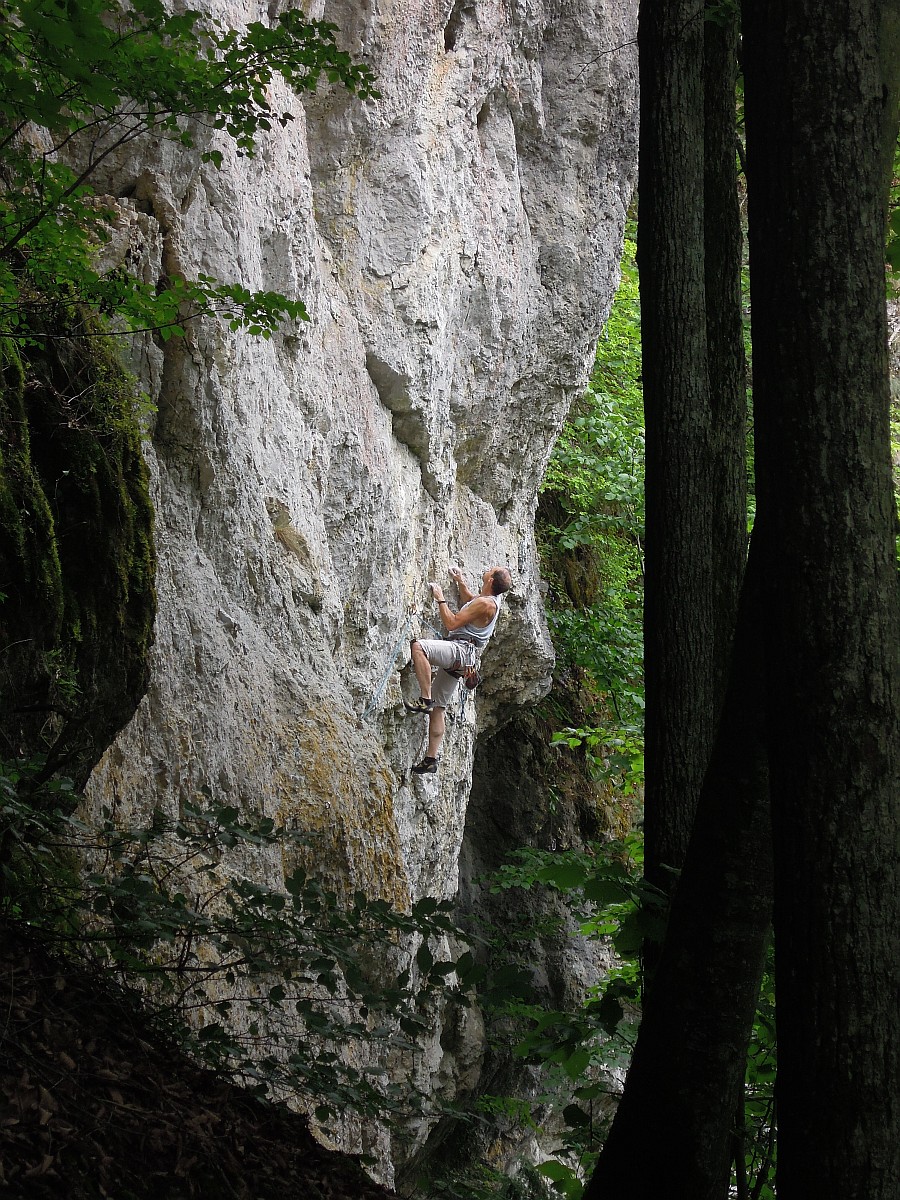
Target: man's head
[497,580]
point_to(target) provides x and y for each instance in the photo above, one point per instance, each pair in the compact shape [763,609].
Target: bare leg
[435,731]
[422,668]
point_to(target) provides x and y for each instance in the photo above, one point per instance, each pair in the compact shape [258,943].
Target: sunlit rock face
[456,244]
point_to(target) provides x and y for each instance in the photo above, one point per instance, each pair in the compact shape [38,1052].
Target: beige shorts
[446,656]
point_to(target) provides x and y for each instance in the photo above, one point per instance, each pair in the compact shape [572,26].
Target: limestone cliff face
[456,244]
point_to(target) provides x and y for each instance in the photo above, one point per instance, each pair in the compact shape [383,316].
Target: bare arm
[479,611]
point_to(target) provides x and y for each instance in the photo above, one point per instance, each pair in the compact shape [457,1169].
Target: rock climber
[468,632]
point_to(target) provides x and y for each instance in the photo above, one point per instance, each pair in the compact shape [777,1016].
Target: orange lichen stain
[335,785]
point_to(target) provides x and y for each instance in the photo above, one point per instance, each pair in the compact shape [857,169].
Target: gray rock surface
[456,244]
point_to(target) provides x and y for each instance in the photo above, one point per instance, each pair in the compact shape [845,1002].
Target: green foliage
[597,463]
[566,1181]
[98,74]
[604,886]
[482,1182]
[591,535]
[596,484]
[614,755]
[589,1048]
[892,244]
[270,985]
[581,1053]
[609,899]
[756,1156]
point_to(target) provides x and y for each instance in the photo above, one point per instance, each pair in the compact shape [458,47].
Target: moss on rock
[27,535]
[77,560]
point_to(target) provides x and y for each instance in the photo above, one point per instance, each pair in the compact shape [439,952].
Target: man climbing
[468,632]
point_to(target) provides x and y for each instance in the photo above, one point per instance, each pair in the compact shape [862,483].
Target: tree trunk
[672,1132]
[726,365]
[815,102]
[694,478]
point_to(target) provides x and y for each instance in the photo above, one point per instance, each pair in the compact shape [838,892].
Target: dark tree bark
[726,365]
[693,402]
[672,1132]
[818,84]
[816,126]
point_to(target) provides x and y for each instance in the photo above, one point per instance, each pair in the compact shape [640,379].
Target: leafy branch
[94,75]
[581,1051]
[280,980]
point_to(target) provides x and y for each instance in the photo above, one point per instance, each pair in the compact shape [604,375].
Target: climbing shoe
[419,706]
[428,766]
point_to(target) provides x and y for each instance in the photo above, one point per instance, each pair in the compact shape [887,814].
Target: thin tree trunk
[678,606]
[694,411]
[815,101]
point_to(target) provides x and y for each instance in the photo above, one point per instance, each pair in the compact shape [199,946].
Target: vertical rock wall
[456,244]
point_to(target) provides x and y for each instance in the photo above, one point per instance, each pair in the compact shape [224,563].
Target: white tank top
[478,636]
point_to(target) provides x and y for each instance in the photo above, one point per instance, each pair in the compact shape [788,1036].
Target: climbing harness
[379,691]
[467,671]
[455,713]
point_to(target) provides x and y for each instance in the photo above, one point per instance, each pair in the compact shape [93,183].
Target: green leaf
[576,1064]
[574,1115]
[557,1171]
[605,891]
[565,876]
